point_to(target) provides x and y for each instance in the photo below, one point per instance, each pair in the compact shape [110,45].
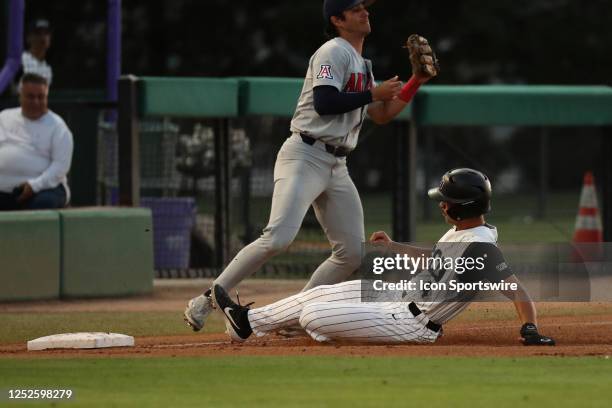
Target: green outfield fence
[219,138]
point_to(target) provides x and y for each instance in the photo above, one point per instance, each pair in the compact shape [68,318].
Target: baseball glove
[422,58]
[531,337]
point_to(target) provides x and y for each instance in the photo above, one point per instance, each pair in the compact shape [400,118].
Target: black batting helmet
[468,192]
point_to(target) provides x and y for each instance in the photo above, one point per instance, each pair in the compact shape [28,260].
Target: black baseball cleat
[236,316]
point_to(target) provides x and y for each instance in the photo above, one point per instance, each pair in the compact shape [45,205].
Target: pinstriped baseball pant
[307,175]
[335,312]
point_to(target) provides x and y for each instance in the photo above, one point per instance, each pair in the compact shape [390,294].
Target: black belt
[414,309]
[335,150]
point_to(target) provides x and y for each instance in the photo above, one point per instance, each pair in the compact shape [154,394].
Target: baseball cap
[39,24]
[336,7]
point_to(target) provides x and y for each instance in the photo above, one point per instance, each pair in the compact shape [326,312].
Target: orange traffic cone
[588,223]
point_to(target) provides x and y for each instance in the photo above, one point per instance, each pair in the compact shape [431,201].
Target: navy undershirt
[328,100]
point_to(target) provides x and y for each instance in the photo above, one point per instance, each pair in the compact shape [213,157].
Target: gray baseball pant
[307,175]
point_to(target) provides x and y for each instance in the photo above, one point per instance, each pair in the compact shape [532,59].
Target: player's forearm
[329,101]
[525,308]
[410,250]
[384,112]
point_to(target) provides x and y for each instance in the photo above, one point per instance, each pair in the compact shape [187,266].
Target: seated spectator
[35,151]
[38,40]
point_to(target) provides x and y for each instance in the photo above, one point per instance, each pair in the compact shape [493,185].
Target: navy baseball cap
[336,7]
[39,25]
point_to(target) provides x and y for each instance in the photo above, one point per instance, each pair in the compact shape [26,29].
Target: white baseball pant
[335,312]
[307,175]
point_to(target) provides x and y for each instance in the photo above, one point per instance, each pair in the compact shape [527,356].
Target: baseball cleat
[236,316]
[197,311]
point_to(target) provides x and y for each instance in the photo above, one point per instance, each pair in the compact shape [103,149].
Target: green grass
[514,215]
[319,381]
[513,230]
[23,326]
[510,230]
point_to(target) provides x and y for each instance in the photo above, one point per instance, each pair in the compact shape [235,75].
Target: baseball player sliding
[337,312]
[311,169]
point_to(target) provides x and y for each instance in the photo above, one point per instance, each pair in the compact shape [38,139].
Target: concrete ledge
[29,255]
[106,252]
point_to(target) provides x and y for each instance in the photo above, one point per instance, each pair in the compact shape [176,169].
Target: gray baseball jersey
[336,63]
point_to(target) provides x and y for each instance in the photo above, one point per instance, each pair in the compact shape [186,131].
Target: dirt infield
[485,329]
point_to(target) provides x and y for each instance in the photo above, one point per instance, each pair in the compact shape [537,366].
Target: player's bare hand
[388,90]
[380,237]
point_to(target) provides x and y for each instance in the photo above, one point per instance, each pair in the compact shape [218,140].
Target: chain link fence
[536,179]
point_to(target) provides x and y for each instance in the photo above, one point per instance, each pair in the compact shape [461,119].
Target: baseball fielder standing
[311,169]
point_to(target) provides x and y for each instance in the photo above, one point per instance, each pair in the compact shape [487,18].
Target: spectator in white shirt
[38,40]
[35,151]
